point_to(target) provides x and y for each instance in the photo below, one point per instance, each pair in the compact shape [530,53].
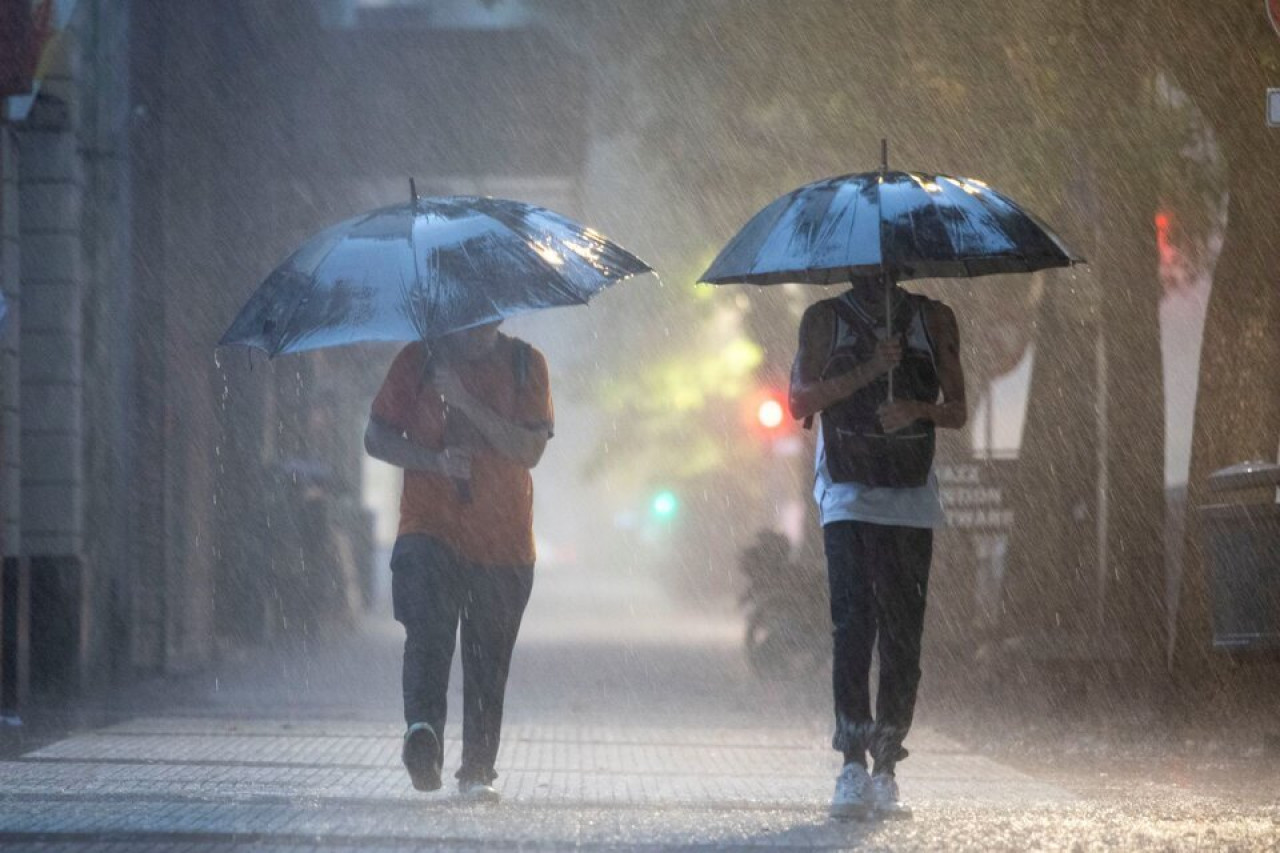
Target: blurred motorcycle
[788,633]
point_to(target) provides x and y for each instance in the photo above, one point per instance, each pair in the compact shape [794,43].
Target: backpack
[858,450]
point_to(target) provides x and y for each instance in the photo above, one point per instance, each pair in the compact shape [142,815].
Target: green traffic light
[665,504]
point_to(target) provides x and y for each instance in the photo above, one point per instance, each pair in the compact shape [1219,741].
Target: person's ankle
[476,774]
[855,758]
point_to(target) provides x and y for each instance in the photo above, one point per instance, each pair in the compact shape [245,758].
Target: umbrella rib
[967,233]
[406,296]
[420,322]
[942,220]
[985,199]
[275,347]
[831,189]
[1048,233]
[913,213]
[559,283]
[782,210]
[847,253]
[466,253]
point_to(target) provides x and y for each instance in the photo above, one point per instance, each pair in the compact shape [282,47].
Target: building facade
[173,152]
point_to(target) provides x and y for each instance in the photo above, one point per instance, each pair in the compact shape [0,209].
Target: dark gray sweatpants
[434,592]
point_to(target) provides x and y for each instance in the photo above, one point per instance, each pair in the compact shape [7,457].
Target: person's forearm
[813,397]
[405,454]
[944,415]
[517,443]
[399,451]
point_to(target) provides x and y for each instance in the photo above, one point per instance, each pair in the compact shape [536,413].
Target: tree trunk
[1092,463]
[1238,402]
[1049,593]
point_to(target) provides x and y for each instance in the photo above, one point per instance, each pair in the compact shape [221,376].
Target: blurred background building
[155,510]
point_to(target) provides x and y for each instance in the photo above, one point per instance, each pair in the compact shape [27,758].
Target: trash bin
[1242,549]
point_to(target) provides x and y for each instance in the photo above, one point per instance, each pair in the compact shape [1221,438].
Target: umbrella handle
[884,272]
[888,321]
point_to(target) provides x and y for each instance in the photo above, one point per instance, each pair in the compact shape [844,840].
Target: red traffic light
[765,412]
[770,413]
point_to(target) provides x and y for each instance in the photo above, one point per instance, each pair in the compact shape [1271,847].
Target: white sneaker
[852,799]
[884,797]
[477,791]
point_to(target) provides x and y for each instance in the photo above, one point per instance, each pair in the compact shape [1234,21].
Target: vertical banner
[28,32]
[16,63]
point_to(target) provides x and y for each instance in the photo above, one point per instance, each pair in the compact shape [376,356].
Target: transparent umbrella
[424,269]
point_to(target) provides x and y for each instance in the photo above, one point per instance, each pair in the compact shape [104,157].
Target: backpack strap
[848,313]
[428,363]
[520,356]
[924,306]
[859,318]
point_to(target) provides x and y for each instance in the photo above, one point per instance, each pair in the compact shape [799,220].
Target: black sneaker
[421,757]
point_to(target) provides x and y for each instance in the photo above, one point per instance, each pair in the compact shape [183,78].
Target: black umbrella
[891,225]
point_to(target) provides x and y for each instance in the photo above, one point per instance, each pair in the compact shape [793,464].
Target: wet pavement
[627,729]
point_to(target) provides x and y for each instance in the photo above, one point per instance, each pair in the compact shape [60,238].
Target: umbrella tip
[884,154]
[413,192]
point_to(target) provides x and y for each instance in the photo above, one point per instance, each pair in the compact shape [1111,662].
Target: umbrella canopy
[424,269]
[904,224]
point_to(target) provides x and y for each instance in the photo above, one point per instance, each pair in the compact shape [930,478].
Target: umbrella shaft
[888,322]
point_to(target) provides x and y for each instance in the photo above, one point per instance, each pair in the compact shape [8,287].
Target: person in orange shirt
[466,416]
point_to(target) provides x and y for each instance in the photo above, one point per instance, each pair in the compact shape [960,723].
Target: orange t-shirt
[496,527]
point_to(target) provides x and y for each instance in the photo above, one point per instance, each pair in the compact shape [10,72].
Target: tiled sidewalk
[207,785]
[261,781]
[260,762]
[636,735]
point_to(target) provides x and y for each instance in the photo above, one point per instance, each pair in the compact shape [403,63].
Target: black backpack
[857,449]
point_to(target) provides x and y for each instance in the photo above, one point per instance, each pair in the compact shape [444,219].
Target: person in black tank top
[878,574]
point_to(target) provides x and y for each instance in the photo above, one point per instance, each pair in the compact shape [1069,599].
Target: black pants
[432,591]
[879,578]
